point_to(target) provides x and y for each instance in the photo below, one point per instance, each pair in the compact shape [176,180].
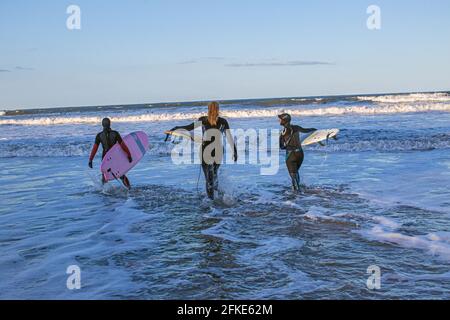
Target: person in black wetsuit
[210,161]
[108,138]
[290,141]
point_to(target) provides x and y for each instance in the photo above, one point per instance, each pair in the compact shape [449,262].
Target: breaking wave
[11,149]
[408,98]
[50,150]
[244,113]
[384,145]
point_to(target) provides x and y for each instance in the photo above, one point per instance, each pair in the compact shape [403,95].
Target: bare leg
[126,182]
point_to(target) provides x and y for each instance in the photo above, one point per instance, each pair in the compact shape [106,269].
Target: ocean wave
[73,149]
[244,113]
[2,113]
[384,145]
[11,149]
[408,98]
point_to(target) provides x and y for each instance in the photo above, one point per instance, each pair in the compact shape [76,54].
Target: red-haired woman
[211,125]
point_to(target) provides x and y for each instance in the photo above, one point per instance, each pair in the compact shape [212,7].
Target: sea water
[379,196]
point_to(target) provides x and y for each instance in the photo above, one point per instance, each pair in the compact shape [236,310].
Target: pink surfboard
[116,164]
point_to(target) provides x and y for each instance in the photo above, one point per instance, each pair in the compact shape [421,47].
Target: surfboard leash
[198,178]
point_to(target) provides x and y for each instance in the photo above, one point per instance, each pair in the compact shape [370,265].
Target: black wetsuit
[210,168]
[107,138]
[291,142]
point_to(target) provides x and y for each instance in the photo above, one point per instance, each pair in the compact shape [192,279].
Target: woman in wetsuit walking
[290,141]
[213,128]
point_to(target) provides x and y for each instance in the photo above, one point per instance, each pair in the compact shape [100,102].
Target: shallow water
[378,196]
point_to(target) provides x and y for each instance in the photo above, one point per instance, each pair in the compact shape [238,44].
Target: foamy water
[234,114]
[377,196]
[410,98]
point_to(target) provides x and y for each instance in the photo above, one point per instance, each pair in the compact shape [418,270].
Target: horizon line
[228,100]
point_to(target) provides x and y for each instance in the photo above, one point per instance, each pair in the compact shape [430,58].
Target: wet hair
[213,113]
[106,123]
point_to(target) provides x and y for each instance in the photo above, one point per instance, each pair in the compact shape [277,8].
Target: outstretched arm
[305,130]
[189,127]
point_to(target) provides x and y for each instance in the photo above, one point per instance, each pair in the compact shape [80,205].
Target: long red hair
[213,113]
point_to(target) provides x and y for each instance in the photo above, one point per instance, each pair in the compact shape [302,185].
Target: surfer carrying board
[108,138]
[290,141]
[212,145]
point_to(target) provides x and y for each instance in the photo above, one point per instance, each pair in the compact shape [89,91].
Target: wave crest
[245,113]
[56,150]
[13,149]
[408,98]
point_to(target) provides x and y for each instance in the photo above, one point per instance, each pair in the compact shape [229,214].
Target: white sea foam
[384,145]
[386,222]
[100,233]
[318,214]
[436,244]
[9,149]
[2,113]
[409,98]
[59,149]
[427,243]
[244,113]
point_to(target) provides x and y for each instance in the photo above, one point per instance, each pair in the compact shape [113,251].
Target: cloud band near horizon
[279,64]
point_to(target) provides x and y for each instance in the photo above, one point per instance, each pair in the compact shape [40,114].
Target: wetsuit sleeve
[123,145]
[189,127]
[95,148]
[192,126]
[304,130]
[93,152]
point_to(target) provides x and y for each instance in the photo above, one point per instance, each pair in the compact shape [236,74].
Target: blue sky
[165,50]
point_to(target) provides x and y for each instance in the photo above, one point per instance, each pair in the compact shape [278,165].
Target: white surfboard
[319,136]
[185,134]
